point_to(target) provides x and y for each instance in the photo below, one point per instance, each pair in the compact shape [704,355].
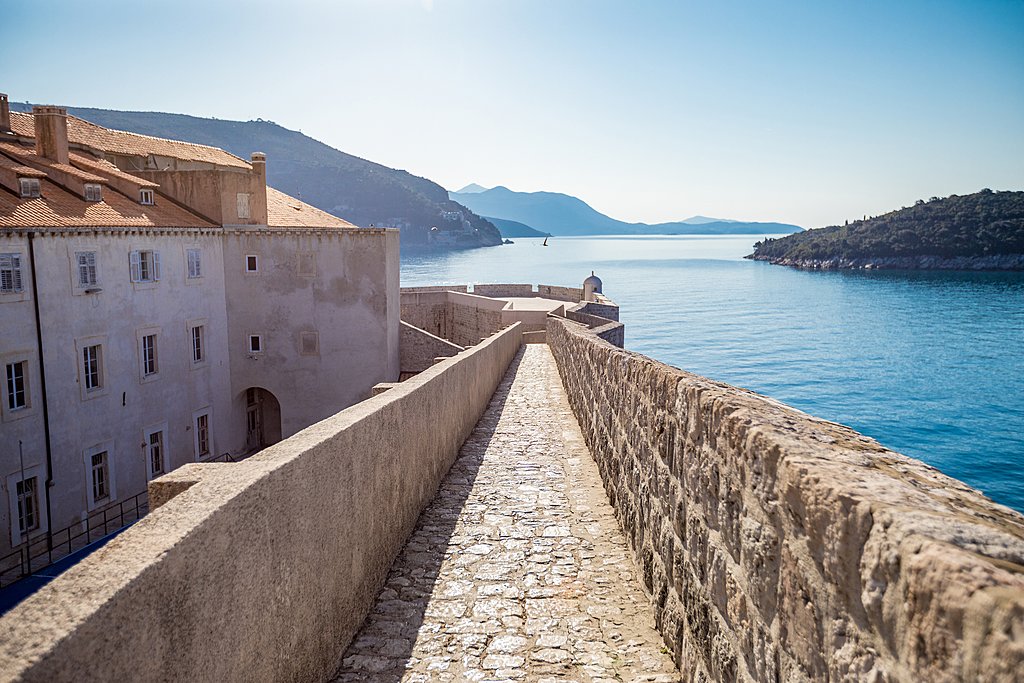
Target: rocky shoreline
[991,262]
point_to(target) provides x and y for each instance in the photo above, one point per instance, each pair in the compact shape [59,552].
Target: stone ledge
[777,546]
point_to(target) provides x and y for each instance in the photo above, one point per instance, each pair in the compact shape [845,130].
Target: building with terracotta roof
[160,305]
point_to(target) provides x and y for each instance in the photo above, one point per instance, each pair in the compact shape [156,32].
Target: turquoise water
[931,364]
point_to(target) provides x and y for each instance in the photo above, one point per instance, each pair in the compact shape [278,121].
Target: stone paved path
[517,570]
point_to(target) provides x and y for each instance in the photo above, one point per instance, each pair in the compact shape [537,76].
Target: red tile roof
[59,208]
[82,132]
[284,211]
[105,168]
[28,157]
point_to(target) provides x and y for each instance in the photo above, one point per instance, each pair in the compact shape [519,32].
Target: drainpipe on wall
[42,387]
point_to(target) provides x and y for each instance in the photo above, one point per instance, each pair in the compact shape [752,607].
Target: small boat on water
[545,242]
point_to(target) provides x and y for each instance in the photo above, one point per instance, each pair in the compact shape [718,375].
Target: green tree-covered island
[981,231]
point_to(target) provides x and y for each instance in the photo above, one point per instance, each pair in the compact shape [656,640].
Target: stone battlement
[774,546]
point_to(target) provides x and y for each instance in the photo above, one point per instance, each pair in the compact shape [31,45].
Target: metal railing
[40,552]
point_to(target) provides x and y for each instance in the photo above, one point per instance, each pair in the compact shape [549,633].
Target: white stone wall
[342,286]
[113,417]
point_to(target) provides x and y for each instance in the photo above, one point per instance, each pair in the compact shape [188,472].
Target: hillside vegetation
[347,186]
[980,230]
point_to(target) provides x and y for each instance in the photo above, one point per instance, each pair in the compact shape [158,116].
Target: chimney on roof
[51,132]
[5,114]
[259,164]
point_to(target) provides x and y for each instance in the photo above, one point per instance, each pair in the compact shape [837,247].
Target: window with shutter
[29,187]
[144,266]
[146,197]
[10,273]
[242,199]
[93,193]
[195,264]
[86,268]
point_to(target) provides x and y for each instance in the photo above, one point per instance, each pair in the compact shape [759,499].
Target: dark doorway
[262,419]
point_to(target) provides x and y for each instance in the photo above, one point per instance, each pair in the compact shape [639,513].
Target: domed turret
[591,286]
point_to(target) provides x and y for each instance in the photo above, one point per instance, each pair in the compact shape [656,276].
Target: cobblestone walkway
[517,570]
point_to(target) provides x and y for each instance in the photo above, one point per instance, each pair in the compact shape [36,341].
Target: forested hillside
[347,186]
[980,228]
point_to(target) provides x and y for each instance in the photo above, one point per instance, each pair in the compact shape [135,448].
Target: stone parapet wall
[573,294]
[435,288]
[780,547]
[460,318]
[260,570]
[503,290]
[418,349]
[603,307]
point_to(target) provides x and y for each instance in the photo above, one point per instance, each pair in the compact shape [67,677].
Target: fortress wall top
[777,546]
[560,293]
[503,290]
[261,570]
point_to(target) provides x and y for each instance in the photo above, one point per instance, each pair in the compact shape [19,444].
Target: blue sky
[804,112]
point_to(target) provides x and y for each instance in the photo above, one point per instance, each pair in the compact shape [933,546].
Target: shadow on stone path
[517,570]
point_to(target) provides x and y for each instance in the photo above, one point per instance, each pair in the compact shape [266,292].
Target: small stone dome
[594,282]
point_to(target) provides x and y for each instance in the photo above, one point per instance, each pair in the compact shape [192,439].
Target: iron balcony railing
[37,554]
[40,552]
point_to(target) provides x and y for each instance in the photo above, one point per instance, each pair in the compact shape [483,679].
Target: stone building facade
[159,305]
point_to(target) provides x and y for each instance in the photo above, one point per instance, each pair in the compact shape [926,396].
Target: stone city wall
[503,290]
[560,293]
[462,319]
[781,547]
[603,307]
[418,349]
[260,570]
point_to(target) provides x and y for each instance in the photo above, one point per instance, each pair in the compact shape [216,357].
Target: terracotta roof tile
[105,168]
[82,132]
[284,211]
[20,169]
[30,158]
[57,208]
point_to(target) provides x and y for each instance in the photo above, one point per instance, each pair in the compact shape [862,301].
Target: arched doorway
[262,419]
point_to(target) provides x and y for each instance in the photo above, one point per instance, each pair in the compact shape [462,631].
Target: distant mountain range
[514,228]
[355,189]
[562,214]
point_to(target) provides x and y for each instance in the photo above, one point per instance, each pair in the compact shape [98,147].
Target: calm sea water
[931,364]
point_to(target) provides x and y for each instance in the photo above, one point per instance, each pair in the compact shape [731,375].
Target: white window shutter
[135,266]
[16,263]
[91,267]
[156,265]
[199,262]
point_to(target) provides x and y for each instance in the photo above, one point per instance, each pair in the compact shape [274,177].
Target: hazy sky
[804,112]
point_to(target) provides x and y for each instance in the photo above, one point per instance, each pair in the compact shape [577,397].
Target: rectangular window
[307,264]
[29,187]
[202,435]
[155,453]
[146,197]
[309,343]
[16,395]
[28,504]
[252,263]
[100,476]
[93,193]
[195,263]
[86,261]
[92,367]
[149,366]
[10,273]
[242,199]
[255,343]
[144,266]
[198,349]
